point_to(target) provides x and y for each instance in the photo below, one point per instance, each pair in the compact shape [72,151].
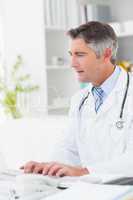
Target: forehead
[78,44]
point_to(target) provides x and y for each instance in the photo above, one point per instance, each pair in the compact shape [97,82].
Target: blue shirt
[106,87]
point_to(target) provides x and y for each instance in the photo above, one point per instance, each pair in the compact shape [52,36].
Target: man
[96,141]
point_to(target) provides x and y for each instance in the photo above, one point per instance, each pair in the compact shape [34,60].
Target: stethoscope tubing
[123,102]
[125,97]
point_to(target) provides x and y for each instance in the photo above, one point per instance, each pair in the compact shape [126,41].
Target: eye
[80,54]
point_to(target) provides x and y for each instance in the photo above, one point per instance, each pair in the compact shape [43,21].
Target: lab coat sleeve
[65,150]
[122,164]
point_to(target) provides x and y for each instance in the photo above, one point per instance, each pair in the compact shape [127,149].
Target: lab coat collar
[117,92]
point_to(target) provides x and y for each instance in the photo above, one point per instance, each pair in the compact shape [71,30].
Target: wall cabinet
[59,16]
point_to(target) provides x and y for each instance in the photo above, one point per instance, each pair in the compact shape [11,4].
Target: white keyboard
[14,184]
[35,186]
[11,172]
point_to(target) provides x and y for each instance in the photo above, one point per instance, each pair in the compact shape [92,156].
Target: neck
[104,75]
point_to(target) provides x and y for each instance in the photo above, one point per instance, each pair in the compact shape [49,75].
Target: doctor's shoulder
[131,86]
[131,80]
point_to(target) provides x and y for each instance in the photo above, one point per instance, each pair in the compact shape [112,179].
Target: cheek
[89,65]
[85,63]
[80,60]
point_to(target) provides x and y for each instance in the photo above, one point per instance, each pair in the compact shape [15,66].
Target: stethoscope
[120,123]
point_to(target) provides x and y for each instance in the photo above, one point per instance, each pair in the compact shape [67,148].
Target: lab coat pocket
[117,133]
[117,139]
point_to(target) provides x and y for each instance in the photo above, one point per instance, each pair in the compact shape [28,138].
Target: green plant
[10,94]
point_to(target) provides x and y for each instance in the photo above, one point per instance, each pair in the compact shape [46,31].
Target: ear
[107,54]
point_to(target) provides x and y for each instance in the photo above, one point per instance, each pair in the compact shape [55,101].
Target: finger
[54,169]
[47,167]
[38,168]
[61,172]
[29,167]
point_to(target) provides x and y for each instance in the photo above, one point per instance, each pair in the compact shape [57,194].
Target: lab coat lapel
[117,92]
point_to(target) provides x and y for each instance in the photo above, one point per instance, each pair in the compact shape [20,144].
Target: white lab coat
[92,140]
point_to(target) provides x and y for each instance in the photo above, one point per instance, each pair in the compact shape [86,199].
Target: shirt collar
[110,82]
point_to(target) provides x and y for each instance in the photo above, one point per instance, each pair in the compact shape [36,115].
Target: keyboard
[121,181]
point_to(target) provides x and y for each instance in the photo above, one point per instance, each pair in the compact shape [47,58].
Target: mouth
[79,72]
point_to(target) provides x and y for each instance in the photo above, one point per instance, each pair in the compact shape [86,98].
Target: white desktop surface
[36,188]
[86,191]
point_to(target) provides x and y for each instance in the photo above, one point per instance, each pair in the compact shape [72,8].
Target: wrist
[85,171]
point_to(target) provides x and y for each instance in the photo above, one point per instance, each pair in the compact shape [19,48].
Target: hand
[32,167]
[59,170]
[54,169]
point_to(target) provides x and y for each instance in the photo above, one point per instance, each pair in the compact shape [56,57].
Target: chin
[82,80]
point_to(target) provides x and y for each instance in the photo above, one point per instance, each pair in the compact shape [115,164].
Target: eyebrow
[78,52]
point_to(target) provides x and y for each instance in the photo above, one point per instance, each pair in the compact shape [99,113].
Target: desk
[12,187]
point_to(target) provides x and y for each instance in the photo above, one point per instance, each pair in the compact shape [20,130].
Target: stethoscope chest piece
[120,124]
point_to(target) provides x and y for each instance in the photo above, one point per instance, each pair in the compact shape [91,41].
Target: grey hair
[99,47]
[99,36]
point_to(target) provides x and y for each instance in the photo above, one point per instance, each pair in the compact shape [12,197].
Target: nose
[74,62]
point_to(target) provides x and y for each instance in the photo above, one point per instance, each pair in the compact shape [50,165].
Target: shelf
[123,29]
[55,28]
[95,2]
[122,35]
[52,107]
[58,67]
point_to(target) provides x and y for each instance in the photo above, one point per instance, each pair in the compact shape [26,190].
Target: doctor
[99,137]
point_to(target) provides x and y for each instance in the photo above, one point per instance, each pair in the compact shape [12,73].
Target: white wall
[24,34]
